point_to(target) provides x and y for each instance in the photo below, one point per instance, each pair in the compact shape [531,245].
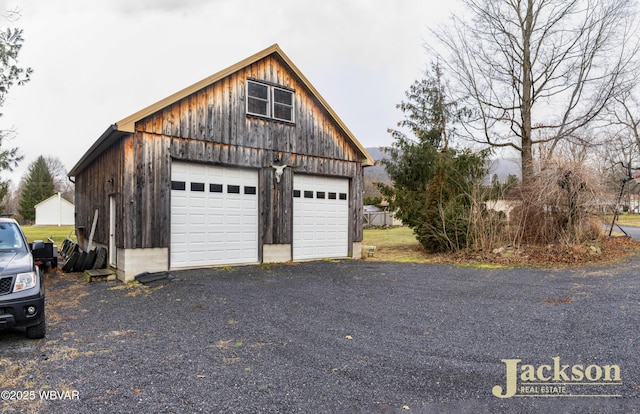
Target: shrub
[559,205]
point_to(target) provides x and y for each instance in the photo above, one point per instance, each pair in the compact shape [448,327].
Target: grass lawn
[626,220]
[396,244]
[56,233]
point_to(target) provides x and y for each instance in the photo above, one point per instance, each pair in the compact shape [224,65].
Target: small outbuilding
[55,211]
[250,165]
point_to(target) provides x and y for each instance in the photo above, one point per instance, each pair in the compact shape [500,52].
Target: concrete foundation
[276,253]
[132,262]
[357,250]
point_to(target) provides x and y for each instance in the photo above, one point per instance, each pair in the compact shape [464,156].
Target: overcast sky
[96,62]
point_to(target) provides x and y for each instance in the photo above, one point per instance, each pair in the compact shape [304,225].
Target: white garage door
[214,215]
[320,217]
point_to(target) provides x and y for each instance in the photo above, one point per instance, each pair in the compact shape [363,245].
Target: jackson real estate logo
[558,380]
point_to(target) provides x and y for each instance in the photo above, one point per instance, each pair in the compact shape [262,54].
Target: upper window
[282,104]
[269,101]
[257,99]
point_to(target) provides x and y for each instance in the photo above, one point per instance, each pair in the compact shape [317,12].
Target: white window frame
[273,104]
[270,101]
[269,98]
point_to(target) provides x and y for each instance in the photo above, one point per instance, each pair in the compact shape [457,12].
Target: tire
[68,266]
[38,331]
[67,248]
[101,258]
[64,246]
[79,266]
[91,259]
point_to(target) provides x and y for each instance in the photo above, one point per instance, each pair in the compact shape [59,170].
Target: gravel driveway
[336,337]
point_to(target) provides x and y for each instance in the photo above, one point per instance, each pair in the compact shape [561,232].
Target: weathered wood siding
[93,189]
[217,114]
[147,221]
[211,126]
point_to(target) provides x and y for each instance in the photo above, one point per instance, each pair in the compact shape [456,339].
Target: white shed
[55,211]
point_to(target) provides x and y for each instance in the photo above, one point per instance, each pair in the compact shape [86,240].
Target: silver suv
[21,287]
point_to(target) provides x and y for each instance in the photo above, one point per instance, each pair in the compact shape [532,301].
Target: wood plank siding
[93,189]
[211,126]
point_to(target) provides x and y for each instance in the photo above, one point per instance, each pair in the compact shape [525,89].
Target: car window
[10,237]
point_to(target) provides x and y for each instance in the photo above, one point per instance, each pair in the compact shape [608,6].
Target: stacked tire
[78,260]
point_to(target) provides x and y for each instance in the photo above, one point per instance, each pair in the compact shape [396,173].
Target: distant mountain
[377,153]
[377,172]
[503,167]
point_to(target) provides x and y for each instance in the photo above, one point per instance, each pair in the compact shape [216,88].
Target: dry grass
[397,244]
[63,296]
[400,245]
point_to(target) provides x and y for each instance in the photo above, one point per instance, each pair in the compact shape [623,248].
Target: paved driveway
[632,231]
[339,337]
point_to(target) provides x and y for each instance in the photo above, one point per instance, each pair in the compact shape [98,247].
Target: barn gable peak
[128,124]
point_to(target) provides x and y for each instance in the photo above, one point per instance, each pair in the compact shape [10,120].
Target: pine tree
[432,183]
[38,186]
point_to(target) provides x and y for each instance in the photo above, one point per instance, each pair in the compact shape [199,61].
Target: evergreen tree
[433,185]
[38,186]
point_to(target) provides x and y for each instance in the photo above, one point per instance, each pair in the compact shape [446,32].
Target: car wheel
[38,331]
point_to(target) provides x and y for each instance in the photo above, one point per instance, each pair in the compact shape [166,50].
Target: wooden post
[93,230]
[80,236]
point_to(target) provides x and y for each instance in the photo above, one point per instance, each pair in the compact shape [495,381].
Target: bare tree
[539,71]
[59,172]
[623,113]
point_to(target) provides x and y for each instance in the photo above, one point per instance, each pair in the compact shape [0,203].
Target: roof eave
[128,124]
[108,138]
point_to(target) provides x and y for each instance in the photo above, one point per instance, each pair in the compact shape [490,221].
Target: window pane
[283,112]
[282,104]
[197,187]
[282,96]
[256,106]
[258,90]
[257,98]
[178,185]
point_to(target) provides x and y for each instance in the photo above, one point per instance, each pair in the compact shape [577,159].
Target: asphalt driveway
[336,337]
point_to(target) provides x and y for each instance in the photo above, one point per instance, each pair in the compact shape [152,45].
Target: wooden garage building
[250,165]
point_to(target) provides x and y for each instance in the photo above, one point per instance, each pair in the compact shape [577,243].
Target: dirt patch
[63,295]
[557,301]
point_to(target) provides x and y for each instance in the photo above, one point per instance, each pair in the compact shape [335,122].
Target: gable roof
[127,125]
[58,199]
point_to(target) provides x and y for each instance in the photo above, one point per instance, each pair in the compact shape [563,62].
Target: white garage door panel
[214,215]
[320,217]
